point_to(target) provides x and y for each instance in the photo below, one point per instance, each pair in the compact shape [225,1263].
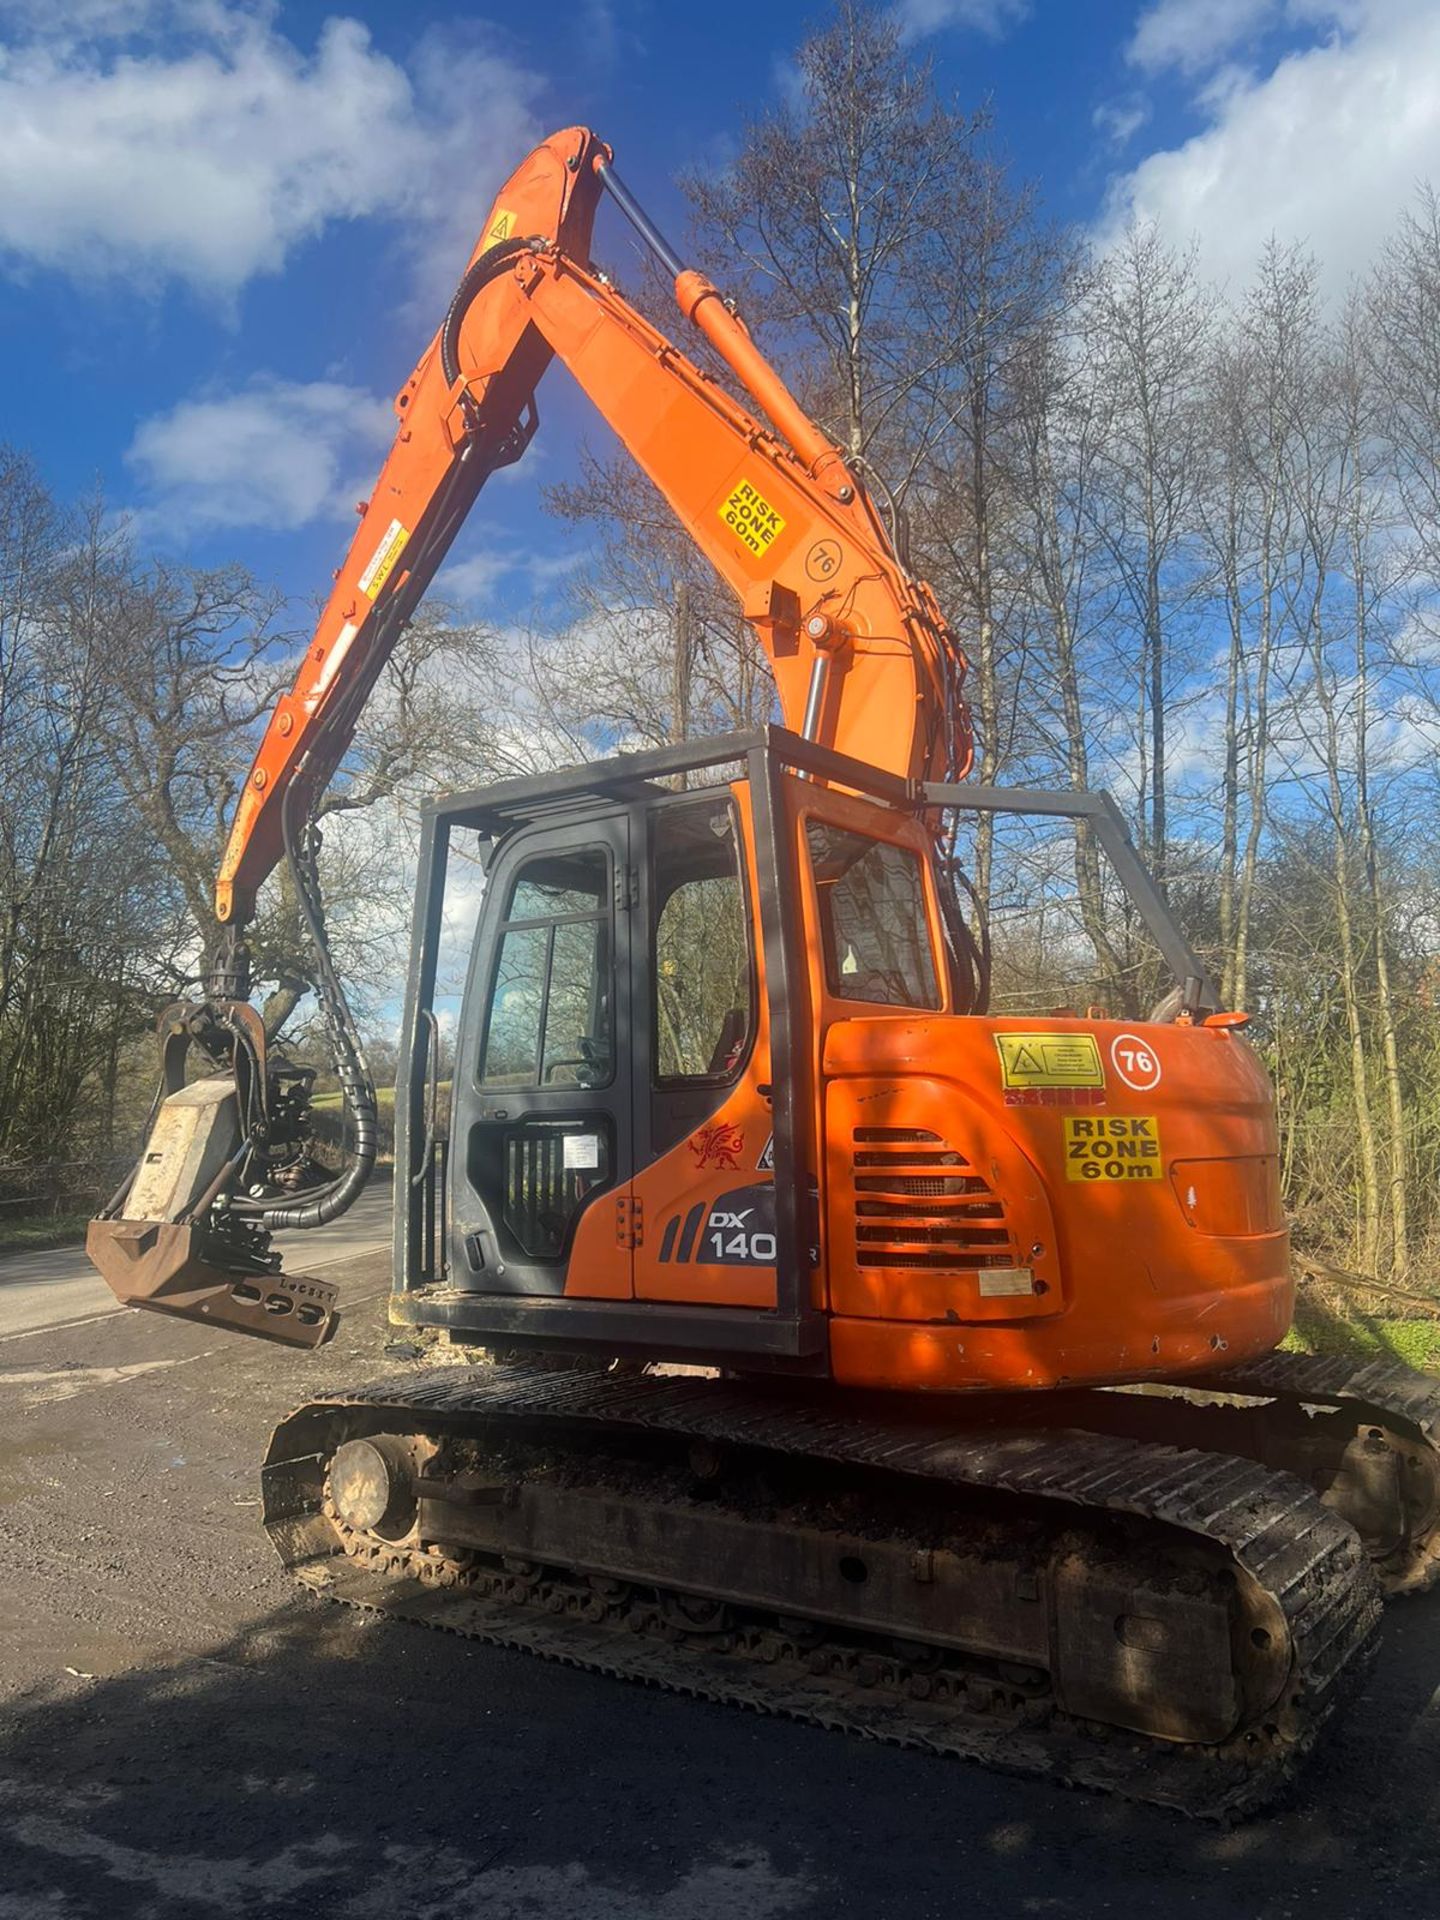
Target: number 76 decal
[1135,1062]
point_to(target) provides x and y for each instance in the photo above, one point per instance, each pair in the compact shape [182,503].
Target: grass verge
[1366,1336]
[37,1236]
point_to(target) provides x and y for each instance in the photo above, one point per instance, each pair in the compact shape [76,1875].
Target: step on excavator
[850,1352]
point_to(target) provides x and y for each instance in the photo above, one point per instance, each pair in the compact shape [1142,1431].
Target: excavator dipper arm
[444,451]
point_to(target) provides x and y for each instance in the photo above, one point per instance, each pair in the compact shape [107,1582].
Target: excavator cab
[628,1157]
[725,1090]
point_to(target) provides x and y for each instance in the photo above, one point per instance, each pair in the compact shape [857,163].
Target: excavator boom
[862,658]
[863,662]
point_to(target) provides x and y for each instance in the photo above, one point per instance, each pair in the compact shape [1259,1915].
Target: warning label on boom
[1049,1060]
[751,518]
[383,559]
[1113,1149]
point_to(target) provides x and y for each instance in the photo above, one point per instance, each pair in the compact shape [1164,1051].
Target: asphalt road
[182,1737]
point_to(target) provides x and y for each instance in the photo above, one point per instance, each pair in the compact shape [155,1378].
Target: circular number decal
[1135,1062]
[823,559]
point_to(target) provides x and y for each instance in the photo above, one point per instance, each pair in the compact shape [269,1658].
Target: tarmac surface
[182,1736]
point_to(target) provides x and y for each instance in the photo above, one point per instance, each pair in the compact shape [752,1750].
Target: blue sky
[228,227]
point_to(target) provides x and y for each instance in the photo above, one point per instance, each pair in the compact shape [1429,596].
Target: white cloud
[277,455]
[1325,148]
[1120,120]
[471,582]
[191,140]
[917,18]
[1192,35]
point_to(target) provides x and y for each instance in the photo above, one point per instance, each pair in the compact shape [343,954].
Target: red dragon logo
[720,1145]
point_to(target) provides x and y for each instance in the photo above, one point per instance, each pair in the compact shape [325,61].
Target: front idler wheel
[371,1485]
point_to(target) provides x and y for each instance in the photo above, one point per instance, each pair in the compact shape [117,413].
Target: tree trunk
[1368,1236]
[1230,771]
[1398,1183]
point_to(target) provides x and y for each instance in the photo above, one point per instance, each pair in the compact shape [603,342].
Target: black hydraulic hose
[968,951]
[477,275]
[327,1203]
[356,1085]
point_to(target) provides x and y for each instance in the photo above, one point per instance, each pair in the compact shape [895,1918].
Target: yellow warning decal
[500,228]
[1049,1060]
[1113,1149]
[382,561]
[751,518]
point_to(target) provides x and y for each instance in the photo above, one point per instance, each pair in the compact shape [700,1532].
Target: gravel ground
[181,1736]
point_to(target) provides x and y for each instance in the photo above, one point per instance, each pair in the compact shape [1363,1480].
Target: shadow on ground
[323,1762]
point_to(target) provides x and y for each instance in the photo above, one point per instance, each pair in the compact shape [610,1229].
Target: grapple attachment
[169,1241]
[161,1265]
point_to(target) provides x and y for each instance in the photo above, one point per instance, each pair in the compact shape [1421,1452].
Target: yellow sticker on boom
[751,518]
[1049,1060]
[500,228]
[382,561]
[1111,1149]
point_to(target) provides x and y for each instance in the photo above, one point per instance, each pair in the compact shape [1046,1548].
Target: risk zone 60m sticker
[1113,1148]
[751,518]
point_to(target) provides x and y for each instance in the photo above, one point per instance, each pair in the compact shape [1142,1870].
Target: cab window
[549,1014]
[704,990]
[873,922]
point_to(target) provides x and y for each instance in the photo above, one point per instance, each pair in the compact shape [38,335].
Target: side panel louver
[923,1222]
[920,1203]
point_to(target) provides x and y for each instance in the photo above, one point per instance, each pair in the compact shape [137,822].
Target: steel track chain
[1378,1387]
[1378,1393]
[1309,1563]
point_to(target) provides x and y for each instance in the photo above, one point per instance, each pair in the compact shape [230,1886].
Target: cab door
[543,1143]
[706,1189]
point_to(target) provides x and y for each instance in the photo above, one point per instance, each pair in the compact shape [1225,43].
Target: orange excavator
[853,1353]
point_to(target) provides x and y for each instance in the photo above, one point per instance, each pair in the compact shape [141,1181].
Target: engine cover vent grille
[920,1203]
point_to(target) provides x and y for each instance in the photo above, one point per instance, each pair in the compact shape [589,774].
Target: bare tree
[988,285]
[86,921]
[1402,342]
[1071,591]
[654,648]
[1372,564]
[195,661]
[827,206]
[1262,398]
[1148,324]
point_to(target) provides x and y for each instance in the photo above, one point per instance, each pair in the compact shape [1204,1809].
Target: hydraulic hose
[477,275]
[356,1085]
